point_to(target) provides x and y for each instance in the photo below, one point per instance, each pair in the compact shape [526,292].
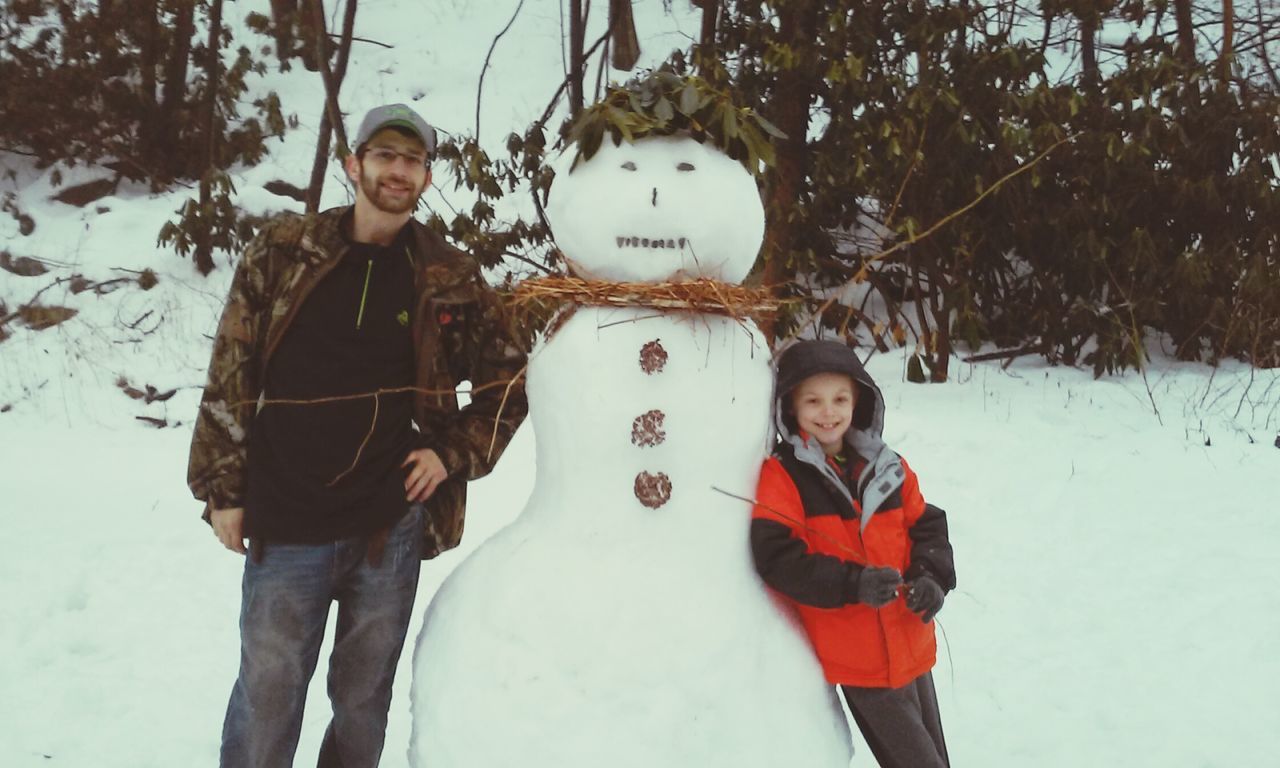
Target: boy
[840,528]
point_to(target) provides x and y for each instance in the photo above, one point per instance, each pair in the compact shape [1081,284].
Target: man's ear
[351,164]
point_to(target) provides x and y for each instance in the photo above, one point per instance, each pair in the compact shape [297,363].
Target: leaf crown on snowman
[663,103]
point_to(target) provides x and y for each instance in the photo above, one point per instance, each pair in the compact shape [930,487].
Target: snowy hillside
[1117,541]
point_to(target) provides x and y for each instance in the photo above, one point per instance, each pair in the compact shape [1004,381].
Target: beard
[385,200]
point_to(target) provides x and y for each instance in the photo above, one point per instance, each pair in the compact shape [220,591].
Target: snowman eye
[685,167]
[629,166]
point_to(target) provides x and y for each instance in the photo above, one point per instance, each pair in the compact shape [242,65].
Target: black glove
[876,587]
[925,598]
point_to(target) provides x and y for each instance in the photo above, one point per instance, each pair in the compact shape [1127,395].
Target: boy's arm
[931,553]
[781,555]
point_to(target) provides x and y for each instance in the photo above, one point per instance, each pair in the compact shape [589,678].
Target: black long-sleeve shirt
[351,335]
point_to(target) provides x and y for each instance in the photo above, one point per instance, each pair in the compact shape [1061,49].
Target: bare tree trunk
[1089,51]
[204,235]
[283,13]
[1186,32]
[577,33]
[150,56]
[173,97]
[319,33]
[791,114]
[704,57]
[1228,39]
[1266,59]
[321,162]
[622,32]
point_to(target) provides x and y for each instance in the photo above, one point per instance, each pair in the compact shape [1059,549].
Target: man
[343,332]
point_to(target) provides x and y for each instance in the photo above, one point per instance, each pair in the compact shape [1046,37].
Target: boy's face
[823,405]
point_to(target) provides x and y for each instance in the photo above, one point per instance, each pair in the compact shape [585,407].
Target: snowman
[618,621]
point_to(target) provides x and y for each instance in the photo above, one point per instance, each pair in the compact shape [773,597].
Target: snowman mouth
[651,242]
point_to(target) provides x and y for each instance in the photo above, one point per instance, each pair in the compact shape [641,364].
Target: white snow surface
[1117,540]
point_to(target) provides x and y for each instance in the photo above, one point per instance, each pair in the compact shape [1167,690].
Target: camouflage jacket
[461,333]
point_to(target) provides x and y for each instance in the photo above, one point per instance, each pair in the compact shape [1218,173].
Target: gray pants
[901,725]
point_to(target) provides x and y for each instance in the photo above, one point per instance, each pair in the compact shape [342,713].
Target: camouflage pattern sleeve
[219,444]
[473,441]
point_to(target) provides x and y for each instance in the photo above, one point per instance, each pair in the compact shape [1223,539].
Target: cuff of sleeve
[851,583]
[454,461]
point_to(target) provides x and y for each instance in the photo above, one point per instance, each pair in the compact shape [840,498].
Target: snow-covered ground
[1117,541]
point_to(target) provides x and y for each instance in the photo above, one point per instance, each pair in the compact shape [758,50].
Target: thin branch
[555,98]
[861,274]
[529,261]
[497,420]
[854,555]
[326,74]
[360,451]
[362,395]
[485,68]
[897,199]
[364,40]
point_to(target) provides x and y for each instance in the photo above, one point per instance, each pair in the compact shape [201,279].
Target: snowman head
[661,208]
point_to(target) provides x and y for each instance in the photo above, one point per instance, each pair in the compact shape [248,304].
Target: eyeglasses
[388,156]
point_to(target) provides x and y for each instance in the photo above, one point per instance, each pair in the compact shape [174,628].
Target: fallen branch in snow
[1006,354]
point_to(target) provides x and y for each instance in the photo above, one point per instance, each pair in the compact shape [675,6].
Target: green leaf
[663,110]
[689,99]
[730,123]
[768,127]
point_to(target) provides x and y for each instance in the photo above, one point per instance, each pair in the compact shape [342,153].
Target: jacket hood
[803,359]
[883,474]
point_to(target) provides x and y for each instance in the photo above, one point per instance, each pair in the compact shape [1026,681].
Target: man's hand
[228,526]
[426,471]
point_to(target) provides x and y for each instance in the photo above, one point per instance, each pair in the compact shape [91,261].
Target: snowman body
[618,621]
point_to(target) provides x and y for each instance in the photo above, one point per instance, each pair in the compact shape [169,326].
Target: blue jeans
[284,608]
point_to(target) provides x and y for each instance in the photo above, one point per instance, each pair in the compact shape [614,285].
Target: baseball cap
[396,116]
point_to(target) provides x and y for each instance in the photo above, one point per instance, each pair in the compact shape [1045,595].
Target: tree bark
[1228,39]
[1186,33]
[1266,59]
[173,97]
[704,57]
[204,239]
[622,31]
[150,56]
[321,162]
[577,33]
[796,21]
[1089,50]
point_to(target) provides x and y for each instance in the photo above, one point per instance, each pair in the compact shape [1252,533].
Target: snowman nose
[655,197]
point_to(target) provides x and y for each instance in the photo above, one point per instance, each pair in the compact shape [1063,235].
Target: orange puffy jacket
[807,544]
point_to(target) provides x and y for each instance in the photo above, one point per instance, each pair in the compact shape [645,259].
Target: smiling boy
[841,529]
